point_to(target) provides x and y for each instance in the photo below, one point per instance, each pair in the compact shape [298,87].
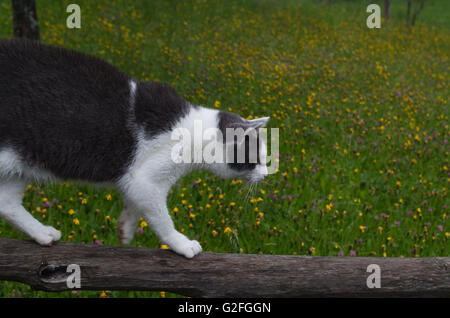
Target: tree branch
[25,21]
[219,275]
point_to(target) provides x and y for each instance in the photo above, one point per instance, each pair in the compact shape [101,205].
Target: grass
[363,118]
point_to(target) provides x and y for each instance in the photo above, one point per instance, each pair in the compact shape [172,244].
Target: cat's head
[244,148]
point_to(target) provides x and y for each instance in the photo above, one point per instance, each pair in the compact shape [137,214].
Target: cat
[65,115]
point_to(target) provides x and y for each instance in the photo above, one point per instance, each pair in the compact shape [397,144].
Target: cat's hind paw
[126,227]
[126,230]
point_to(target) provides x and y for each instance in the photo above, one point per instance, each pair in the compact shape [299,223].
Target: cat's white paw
[188,248]
[46,235]
[126,231]
[126,226]
[180,244]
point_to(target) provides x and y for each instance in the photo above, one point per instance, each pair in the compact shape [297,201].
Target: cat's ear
[258,122]
[252,126]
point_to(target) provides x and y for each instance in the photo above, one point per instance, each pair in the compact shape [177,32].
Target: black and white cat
[66,115]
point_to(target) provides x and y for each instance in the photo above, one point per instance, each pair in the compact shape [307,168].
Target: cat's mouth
[254,178]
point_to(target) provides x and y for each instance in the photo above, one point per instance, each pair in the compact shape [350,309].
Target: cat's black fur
[158,107]
[69,113]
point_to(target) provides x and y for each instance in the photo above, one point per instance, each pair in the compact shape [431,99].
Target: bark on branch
[219,275]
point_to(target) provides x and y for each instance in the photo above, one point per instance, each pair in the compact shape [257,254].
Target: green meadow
[362,114]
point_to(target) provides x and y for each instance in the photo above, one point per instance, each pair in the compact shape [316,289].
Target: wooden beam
[219,275]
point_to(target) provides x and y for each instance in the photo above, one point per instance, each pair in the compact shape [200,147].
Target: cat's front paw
[188,249]
[180,244]
[46,235]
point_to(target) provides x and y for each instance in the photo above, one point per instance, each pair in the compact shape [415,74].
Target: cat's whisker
[248,192]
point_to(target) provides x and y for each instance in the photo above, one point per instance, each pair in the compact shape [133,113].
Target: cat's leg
[128,221]
[14,213]
[150,200]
